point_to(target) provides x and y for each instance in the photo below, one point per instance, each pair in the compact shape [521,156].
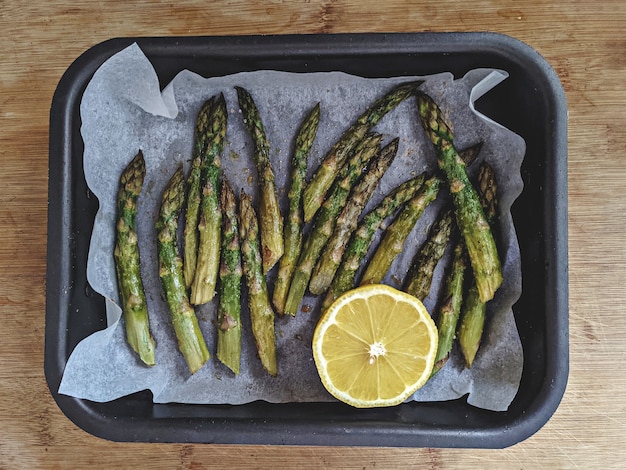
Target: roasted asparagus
[190,339]
[192,212]
[470,217]
[325,219]
[271,220]
[393,241]
[347,220]
[450,308]
[127,262]
[361,239]
[419,278]
[209,225]
[229,310]
[294,222]
[261,312]
[420,275]
[326,173]
[474,310]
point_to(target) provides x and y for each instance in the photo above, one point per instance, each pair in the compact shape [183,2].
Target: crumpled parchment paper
[124,110]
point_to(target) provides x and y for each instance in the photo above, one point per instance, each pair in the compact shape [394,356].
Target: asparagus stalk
[193,195]
[328,262]
[450,308]
[361,239]
[293,227]
[209,225]
[229,311]
[190,340]
[322,180]
[396,234]
[269,210]
[470,217]
[474,310]
[420,275]
[261,313]
[325,220]
[471,326]
[127,262]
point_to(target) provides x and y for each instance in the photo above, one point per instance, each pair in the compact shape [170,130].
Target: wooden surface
[584,41]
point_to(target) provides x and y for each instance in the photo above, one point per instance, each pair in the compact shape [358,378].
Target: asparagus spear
[261,313]
[362,238]
[471,326]
[323,178]
[190,340]
[396,234]
[293,227]
[127,262]
[328,262]
[450,308]
[228,318]
[474,310]
[360,241]
[193,196]
[209,225]
[470,217]
[420,275]
[325,220]
[269,210]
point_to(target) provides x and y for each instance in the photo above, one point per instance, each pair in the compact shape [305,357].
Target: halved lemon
[374,346]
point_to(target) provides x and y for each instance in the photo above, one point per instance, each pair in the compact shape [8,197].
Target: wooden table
[584,41]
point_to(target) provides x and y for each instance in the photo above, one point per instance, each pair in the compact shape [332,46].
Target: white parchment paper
[124,110]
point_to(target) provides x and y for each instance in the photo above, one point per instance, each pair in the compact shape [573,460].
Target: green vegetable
[450,308]
[190,340]
[361,239]
[261,313]
[393,241]
[325,220]
[271,220]
[209,225]
[420,275]
[470,217]
[322,180]
[127,262]
[347,221]
[474,310]
[229,311]
[293,227]
[192,213]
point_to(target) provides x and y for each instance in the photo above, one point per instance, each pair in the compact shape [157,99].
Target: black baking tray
[531,102]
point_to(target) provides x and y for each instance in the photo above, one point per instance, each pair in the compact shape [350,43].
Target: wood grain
[584,41]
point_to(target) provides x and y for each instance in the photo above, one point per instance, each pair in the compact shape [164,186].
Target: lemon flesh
[374,346]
